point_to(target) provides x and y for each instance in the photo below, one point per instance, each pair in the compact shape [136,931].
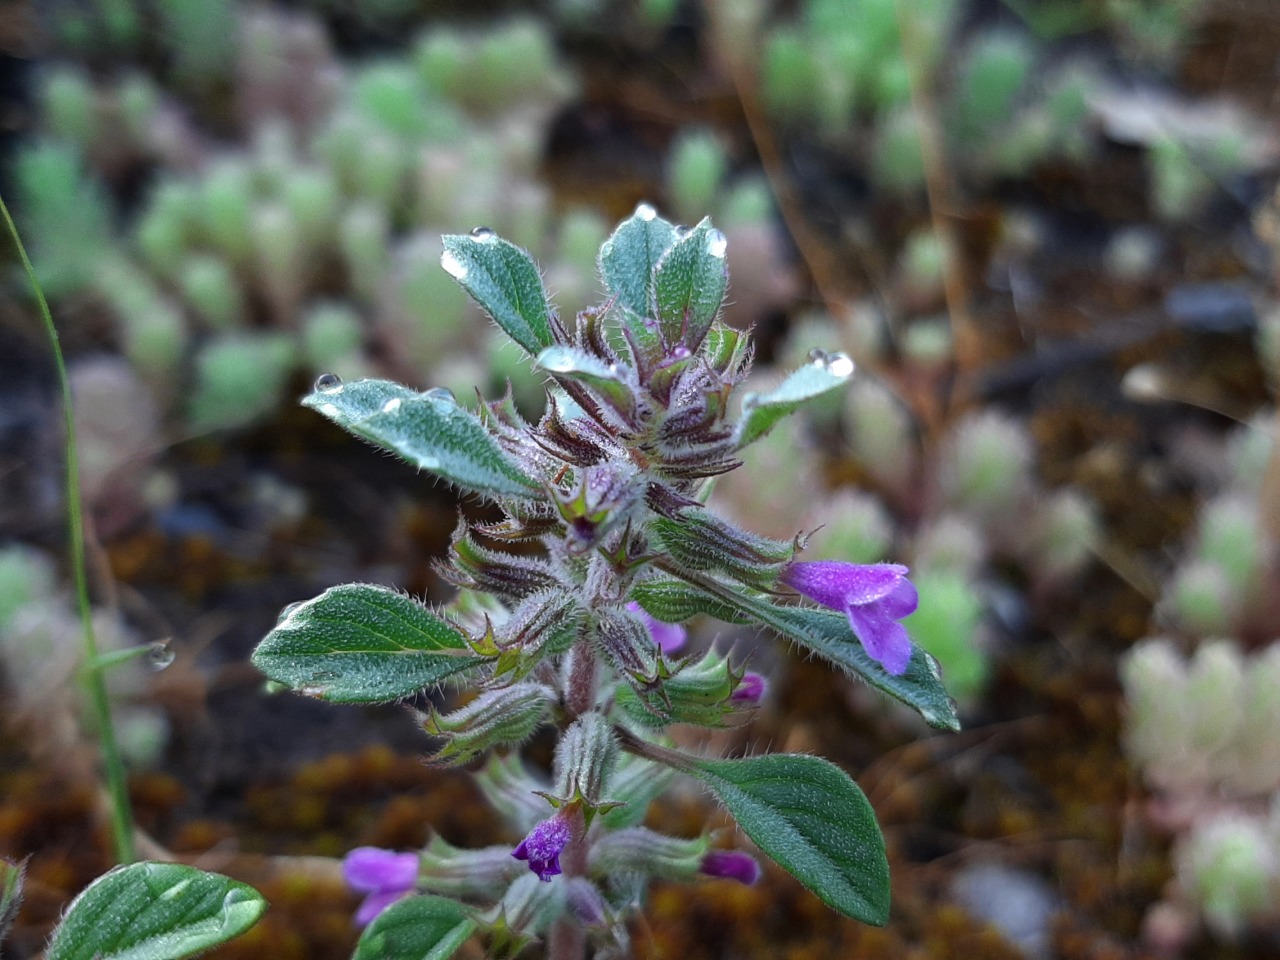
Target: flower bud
[641,850]
[730,865]
[702,692]
[585,758]
[508,715]
[456,872]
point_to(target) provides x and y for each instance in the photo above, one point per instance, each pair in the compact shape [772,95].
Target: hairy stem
[92,668]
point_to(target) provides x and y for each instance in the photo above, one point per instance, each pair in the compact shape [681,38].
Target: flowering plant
[569,607]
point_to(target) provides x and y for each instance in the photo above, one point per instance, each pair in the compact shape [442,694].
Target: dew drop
[646,212]
[441,393]
[818,358]
[717,243]
[681,230]
[482,234]
[453,266]
[840,365]
[287,611]
[160,655]
[391,406]
[328,383]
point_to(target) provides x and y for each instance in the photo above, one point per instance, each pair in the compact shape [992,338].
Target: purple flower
[875,597]
[383,876]
[543,846]
[750,689]
[669,637]
[730,865]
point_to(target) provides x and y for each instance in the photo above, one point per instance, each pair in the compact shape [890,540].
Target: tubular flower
[750,690]
[669,637]
[381,875]
[874,597]
[543,846]
[730,865]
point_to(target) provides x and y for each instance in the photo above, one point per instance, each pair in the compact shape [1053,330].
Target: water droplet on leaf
[717,243]
[160,655]
[441,393]
[818,357]
[453,266]
[328,383]
[284,614]
[840,365]
[482,233]
[391,406]
[646,212]
[681,230]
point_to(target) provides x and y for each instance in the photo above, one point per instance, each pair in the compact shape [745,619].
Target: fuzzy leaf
[689,284]
[814,822]
[429,430]
[416,928]
[505,281]
[154,911]
[11,877]
[605,382]
[627,260]
[361,643]
[823,632]
[761,411]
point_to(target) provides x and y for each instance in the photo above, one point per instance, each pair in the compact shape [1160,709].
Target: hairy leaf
[689,284]
[430,430]
[154,911]
[814,822]
[416,928]
[505,281]
[361,643]
[761,411]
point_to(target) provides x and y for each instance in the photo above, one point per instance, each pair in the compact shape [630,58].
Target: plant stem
[92,669]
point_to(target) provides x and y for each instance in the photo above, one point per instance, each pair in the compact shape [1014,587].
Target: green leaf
[761,411]
[823,632]
[689,284]
[416,928]
[11,877]
[814,822]
[505,281]
[627,260]
[604,381]
[361,643]
[154,911]
[428,429]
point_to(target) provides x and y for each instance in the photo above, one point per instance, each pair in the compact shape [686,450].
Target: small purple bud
[730,865]
[669,637]
[750,689]
[544,844]
[874,597]
[384,876]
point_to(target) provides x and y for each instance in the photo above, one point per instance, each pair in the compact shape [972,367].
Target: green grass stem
[93,666]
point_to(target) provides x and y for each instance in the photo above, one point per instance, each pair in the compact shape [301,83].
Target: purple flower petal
[374,870]
[874,596]
[543,846]
[670,637]
[731,865]
[834,584]
[884,638]
[750,689]
[375,903]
